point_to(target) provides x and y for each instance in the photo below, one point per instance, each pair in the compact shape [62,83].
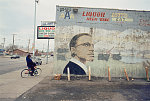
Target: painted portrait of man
[82,50]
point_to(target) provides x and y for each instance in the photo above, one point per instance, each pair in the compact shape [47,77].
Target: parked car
[43,56]
[15,57]
[36,60]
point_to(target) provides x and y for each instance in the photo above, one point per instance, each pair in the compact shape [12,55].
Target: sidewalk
[45,88]
[12,85]
[80,89]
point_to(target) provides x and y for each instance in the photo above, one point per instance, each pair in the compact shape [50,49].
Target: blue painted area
[132,59]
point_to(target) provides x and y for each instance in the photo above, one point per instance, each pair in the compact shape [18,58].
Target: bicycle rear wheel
[37,71]
[25,73]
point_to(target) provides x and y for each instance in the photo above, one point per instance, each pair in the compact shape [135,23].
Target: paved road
[12,85]
[8,65]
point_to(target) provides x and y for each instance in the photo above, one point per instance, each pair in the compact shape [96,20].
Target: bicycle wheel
[25,73]
[37,71]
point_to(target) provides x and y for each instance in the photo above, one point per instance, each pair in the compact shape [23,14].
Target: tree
[10,47]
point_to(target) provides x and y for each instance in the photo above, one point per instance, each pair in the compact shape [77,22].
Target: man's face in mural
[83,49]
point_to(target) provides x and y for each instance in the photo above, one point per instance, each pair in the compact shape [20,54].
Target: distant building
[20,52]
[2,52]
[37,53]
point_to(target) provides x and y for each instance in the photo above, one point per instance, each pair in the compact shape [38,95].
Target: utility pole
[13,43]
[43,47]
[4,43]
[36,1]
[28,45]
[47,52]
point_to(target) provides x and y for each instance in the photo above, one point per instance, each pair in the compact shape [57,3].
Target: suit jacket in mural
[74,69]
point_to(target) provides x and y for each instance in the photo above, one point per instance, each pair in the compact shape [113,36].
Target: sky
[17,17]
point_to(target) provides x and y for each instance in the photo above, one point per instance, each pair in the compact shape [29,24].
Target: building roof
[23,50]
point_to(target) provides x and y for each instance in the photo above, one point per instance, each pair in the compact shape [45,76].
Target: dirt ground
[80,89]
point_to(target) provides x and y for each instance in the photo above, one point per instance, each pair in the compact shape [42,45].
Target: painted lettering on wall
[66,13]
[95,16]
[121,17]
[144,22]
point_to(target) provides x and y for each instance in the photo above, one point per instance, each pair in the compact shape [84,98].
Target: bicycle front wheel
[25,73]
[37,71]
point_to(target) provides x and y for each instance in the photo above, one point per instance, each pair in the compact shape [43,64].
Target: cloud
[15,14]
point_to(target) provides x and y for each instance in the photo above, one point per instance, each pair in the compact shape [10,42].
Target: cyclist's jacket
[30,63]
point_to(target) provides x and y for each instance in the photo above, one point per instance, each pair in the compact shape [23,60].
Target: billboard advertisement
[48,23]
[102,38]
[45,32]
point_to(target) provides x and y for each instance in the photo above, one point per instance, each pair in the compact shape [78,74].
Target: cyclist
[30,64]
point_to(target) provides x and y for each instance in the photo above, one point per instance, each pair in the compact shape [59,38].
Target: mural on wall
[115,38]
[82,50]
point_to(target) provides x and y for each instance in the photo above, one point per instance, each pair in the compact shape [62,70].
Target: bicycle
[27,72]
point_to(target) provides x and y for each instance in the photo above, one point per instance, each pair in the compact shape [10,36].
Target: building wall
[19,52]
[121,39]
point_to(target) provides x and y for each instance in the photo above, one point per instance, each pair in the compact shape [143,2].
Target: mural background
[121,39]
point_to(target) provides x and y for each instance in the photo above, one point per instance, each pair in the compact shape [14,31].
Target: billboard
[102,38]
[48,23]
[45,32]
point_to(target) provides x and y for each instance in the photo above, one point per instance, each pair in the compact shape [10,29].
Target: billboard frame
[38,37]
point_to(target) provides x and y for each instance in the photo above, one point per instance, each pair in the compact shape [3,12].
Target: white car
[36,60]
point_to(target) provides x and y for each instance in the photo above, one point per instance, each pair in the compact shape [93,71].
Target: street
[8,65]
[12,85]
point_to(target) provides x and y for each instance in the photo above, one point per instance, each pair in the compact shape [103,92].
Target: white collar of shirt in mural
[80,64]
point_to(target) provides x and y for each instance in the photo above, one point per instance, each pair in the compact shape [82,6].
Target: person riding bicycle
[30,64]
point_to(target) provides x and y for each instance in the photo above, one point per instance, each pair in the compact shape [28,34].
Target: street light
[36,1]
